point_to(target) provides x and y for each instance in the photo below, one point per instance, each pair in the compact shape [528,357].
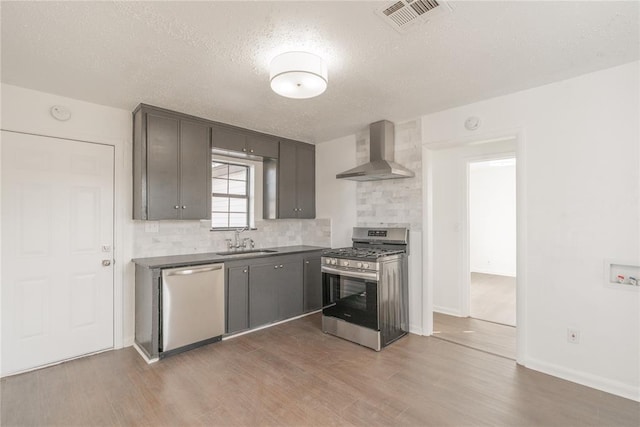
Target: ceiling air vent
[405,14]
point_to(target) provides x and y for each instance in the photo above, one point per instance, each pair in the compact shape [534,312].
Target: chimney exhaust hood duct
[381,164]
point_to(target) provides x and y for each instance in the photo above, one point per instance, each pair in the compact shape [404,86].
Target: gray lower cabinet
[312,283]
[275,291]
[171,166]
[147,308]
[263,294]
[237,290]
[290,294]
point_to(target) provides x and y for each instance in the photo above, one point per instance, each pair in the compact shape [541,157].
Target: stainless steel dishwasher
[192,306]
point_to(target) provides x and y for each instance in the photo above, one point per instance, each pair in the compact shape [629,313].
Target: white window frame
[247,195]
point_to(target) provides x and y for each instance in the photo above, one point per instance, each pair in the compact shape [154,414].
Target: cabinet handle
[300,209]
[244,149]
[275,266]
[176,207]
[244,271]
[306,262]
[280,265]
[251,151]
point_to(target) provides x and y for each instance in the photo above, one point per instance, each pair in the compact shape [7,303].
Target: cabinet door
[237,298]
[287,180]
[195,171]
[312,284]
[162,167]
[263,294]
[290,290]
[262,145]
[228,139]
[306,181]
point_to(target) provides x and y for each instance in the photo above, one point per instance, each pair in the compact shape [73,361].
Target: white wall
[578,159]
[492,217]
[336,198]
[449,215]
[25,110]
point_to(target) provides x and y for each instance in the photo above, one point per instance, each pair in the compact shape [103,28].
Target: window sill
[232,229]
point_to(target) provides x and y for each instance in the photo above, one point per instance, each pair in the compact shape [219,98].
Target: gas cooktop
[360,253]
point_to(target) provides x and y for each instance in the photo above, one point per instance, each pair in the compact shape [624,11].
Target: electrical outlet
[573,336]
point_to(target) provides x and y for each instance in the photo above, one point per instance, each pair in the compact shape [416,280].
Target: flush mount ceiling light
[298,75]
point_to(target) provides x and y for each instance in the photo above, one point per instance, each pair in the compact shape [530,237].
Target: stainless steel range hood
[381,164]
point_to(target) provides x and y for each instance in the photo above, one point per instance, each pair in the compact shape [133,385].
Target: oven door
[351,296]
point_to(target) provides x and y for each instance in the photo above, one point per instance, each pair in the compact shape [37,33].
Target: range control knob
[345,263]
[359,265]
[334,261]
[366,265]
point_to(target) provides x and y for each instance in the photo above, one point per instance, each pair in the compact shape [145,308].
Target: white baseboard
[614,387]
[447,310]
[415,329]
[128,341]
[494,272]
[144,356]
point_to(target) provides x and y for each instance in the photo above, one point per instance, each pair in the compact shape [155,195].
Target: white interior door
[57,228]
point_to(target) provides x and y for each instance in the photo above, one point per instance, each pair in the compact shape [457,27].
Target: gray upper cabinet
[195,171]
[232,141]
[171,166]
[227,139]
[262,145]
[290,182]
[306,180]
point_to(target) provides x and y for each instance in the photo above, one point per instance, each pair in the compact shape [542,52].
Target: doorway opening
[492,240]
[449,208]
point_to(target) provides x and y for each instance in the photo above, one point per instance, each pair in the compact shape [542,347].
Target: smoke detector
[403,15]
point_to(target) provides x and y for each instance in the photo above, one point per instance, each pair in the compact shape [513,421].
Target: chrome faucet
[236,244]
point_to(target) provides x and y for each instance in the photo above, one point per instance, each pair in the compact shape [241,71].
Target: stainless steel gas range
[365,287]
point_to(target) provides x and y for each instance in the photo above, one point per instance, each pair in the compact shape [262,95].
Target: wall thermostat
[61,113]
[472,123]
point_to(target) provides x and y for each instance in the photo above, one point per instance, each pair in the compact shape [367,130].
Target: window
[230,195]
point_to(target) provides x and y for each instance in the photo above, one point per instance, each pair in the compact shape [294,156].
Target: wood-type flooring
[294,375]
[493,298]
[478,334]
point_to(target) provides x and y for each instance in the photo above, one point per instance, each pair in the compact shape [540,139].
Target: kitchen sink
[247,253]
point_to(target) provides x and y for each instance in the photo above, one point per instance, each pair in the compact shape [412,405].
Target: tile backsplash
[393,202]
[187,237]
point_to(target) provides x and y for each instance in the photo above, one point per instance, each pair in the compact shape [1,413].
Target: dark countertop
[212,257]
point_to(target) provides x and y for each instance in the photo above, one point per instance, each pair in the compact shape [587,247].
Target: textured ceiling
[211,59]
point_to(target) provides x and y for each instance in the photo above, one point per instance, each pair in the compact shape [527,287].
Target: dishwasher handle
[188,271]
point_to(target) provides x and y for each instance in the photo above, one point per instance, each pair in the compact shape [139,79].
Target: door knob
[106,262]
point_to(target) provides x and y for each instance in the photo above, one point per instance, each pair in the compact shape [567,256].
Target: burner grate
[361,253]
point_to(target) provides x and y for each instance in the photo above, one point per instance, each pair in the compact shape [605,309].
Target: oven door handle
[350,273]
